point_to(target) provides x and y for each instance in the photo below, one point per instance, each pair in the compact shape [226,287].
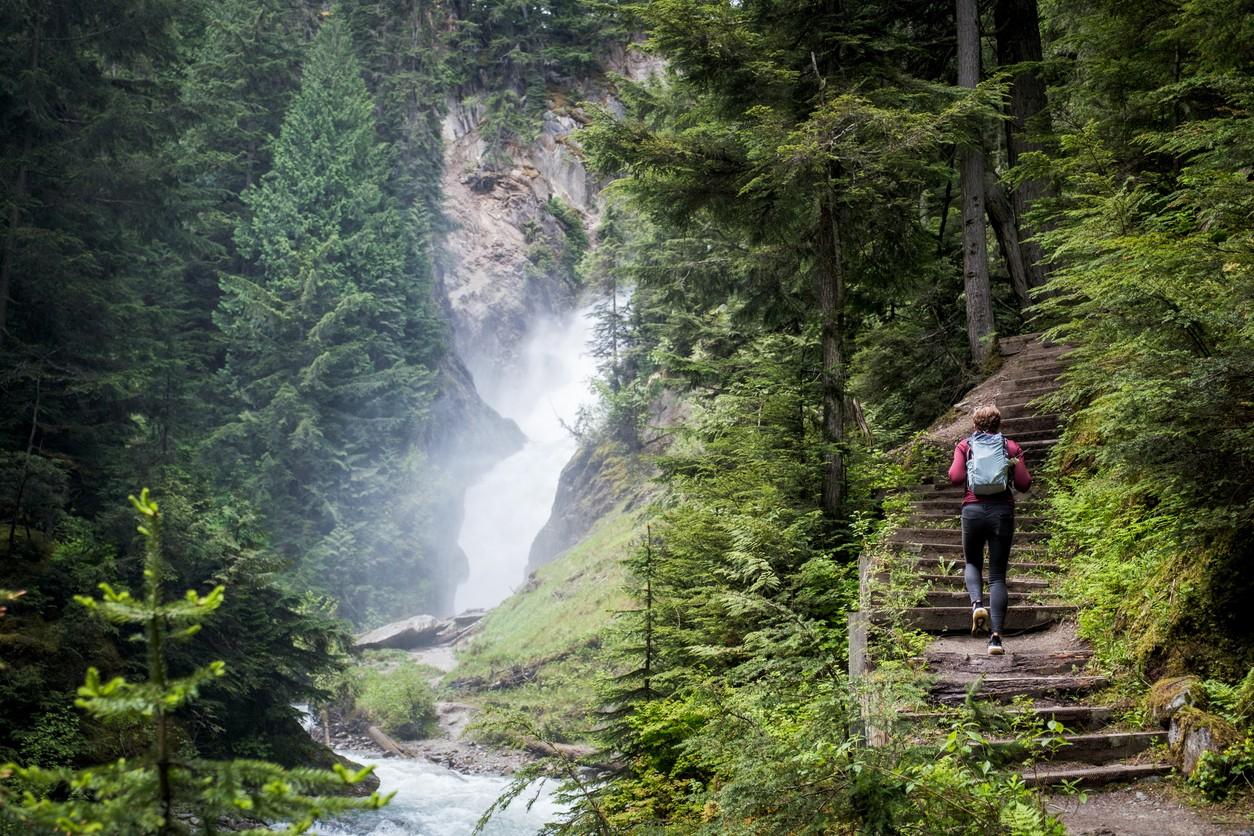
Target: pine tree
[795,125]
[167,792]
[331,341]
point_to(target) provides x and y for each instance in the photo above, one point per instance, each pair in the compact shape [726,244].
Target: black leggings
[992,523]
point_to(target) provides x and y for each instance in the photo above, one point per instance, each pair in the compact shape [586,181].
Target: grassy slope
[554,626]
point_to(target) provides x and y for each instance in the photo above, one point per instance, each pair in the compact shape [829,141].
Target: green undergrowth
[543,640]
[387,689]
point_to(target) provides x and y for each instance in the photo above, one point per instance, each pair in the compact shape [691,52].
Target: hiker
[985,462]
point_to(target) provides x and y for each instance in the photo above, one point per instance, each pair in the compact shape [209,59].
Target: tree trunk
[971,181]
[831,293]
[21,482]
[1002,216]
[1019,41]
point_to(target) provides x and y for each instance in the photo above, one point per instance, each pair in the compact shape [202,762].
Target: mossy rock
[1172,694]
[1194,731]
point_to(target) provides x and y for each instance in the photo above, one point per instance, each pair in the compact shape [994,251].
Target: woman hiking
[988,463]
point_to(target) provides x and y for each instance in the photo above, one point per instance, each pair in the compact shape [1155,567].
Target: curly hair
[987,419]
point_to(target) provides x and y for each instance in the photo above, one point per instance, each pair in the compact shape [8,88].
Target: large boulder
[1194,732]
[1168,696]
[410,634]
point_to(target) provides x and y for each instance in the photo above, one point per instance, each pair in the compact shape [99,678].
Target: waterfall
[505,510]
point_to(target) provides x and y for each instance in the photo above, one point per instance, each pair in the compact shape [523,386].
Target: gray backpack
[988,464]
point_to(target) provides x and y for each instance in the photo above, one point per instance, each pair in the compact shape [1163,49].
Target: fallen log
[385,742]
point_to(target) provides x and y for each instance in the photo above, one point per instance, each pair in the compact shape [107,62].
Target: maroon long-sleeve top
[958,473]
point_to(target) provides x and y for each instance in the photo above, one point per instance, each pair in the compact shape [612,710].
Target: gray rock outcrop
[409,634]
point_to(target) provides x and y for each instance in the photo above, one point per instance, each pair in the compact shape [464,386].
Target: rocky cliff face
[501,264]
[603,474]
[505,261]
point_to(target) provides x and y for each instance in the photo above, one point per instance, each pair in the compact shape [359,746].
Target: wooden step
[959,598]
[977,661]
[954,535]
[951,500]
[1020,398]
[1030,380]
[958,619]
[1035,435]
[1023,522]
[1012,411]
[1082,775]
[1019,389]
[1073,717]
[1013,584]
[1021,557]
[954,565]
[1025,504]
[1018,343]
[943,489]
[1097,747]
[1010,426]
[952,690]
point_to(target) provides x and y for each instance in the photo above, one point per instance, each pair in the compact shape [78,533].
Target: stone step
[1085,775]
[954,535]
[958,619]
[977,661]
[1073,717]
[952,582]
[952,690]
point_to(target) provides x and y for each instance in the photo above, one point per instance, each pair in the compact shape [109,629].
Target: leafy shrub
[1217,773]
[399,701]
[53,739]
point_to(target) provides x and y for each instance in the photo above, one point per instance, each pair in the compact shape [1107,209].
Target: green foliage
[1218,772]
[1152,284]
[398,700]
[514,50]
[331,342]
[153,793]
[55,738]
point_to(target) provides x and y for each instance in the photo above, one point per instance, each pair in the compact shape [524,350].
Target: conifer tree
[797,128]
[167,792]
[331,341]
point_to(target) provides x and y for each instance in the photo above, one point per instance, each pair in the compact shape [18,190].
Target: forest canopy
[220,278]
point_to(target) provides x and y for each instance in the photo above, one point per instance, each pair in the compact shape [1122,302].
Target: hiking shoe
[994,646]
[979,618]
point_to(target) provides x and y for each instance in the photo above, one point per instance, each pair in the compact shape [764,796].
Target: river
[434,801]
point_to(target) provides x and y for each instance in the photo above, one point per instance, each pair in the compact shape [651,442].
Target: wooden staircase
[1045,661]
